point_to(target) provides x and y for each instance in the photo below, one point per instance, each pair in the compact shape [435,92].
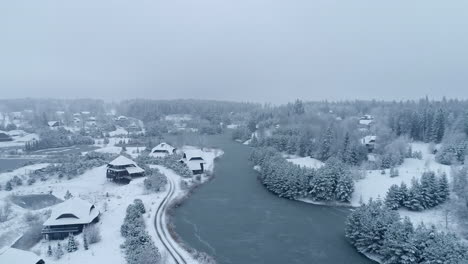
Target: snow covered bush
[155,181]
[425,193]
[92,233]
[454,150]
[170,161]
[139,247]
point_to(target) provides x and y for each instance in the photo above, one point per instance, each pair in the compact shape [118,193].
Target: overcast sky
[243,50]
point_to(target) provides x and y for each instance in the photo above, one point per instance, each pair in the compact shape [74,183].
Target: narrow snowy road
[161,226]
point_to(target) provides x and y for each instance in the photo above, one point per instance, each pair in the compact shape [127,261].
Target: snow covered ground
[112,199]
[113,149]
[19,137]
[120,131]
[308,162]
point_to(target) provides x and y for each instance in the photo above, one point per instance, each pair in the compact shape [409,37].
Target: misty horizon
[261,51]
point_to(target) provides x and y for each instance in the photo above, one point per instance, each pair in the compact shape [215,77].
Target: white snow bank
[307,162]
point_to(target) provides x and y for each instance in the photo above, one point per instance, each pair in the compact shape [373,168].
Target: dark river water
[235,219]
[12,164]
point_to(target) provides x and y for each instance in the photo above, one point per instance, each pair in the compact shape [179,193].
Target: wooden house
[53,124]
[69,217]
[123,168]
[194,160]
[5,137]
[163,149]
[369,142]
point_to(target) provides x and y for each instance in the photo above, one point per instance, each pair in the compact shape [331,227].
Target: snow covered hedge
[138,246]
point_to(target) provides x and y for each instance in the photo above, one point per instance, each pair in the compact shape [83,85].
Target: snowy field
[307,162]
[112,199]
[19,137]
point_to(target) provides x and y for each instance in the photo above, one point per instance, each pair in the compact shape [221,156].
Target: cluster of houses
[125,169]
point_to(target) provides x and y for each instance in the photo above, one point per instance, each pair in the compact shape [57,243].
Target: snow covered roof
[85,112]
[368,140]
[163,147]
[13,255]
[53,123]
[194,164]
[92,118]
[71,212]
[193,153]
[365,121]
[122,161]
[134,170]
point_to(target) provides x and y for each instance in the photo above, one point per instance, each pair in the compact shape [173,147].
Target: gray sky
[254,50]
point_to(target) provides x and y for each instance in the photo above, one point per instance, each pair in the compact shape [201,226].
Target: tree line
[332,182]
[425,193]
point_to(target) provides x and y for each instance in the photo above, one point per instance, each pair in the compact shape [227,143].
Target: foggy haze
[243,50]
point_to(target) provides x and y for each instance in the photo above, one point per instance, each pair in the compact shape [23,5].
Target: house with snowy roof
[5,137]
[366,120]
[123,168]
[194,160]
[69,217]
[53,124]
[369,142]
[163,149]
[14,255]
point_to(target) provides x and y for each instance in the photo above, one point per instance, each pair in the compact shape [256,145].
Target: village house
[162,149]
[123,169]
[369,142]
[5,137]
[194,160]
[13,255]
[69,217]
[91,121]
[54,124]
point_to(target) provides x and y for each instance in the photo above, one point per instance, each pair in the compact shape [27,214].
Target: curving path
[161,227]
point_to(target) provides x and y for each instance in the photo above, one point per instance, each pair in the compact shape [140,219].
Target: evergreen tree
[438,126]
[139,206]
[392,199]
[85,241]
[49,251]
[345,153]
[326,145]
[344,188]
[68,195]
[414,201]
[443,191]
[71,243]
[8,186]
[58,251]
[428,190]
[397,247]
